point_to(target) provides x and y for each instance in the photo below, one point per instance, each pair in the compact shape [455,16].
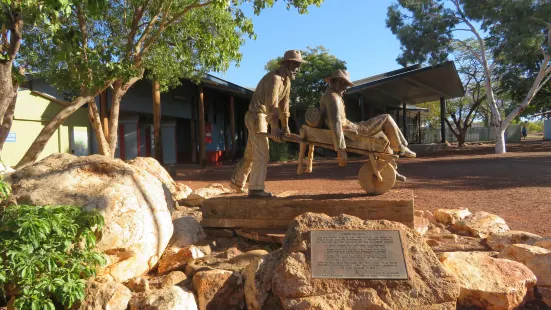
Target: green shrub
[534,127]
[279,151]
[5,190]
[46,253]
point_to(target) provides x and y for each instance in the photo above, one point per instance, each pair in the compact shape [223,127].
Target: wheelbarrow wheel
[369,181]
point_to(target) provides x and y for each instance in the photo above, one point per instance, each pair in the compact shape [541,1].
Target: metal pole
[404,120]
[443,119]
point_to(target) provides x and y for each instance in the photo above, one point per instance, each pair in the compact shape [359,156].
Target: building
[32,111]
[189,114]
[204,123]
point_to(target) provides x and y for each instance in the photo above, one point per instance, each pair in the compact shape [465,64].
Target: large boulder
[482,224]
[502,240]
[450,216]
[488,282]
[136,206]
[99,296]
[219,289]
[177,258]
[286,274]
[521,252]
[544,243]
[541,266]
[169,298]
[187,231]
[179,191]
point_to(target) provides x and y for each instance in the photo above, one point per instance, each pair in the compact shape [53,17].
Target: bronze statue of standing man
[270,104]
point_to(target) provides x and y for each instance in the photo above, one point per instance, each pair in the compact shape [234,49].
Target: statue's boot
[405,152]
[237,188]
[260,194]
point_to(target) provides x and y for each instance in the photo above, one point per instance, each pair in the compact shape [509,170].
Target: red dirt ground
[515,185]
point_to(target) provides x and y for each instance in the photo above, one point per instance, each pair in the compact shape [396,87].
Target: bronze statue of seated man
[334,117]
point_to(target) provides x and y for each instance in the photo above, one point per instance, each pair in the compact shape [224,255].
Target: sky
[353,30]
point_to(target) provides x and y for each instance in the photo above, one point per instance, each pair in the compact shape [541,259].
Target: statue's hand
[342,157]
[285,130]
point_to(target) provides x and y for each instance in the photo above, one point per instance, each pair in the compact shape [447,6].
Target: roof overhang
[218,83]
[413,85]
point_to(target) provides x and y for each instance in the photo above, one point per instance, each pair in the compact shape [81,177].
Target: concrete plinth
[238,211]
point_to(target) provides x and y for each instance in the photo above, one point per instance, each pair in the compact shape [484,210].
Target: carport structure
[397,92]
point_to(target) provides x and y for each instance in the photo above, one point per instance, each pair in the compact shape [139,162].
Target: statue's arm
[284,113]
[272,97]
[336,125]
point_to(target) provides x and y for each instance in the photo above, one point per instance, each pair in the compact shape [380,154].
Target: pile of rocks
[497,268]
[159,256]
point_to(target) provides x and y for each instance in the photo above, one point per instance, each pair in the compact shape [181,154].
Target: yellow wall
[32,113]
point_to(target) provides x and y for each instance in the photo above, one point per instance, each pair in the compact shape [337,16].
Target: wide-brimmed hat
[293,55]
[342,74]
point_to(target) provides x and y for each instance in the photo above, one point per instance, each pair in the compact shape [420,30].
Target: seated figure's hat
[342,74]
[293,55]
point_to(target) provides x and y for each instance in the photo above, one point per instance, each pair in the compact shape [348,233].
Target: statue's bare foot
[405,152]
[400,177]
[238,188]
[260,193]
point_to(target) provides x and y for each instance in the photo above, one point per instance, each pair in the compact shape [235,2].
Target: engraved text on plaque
[358,254]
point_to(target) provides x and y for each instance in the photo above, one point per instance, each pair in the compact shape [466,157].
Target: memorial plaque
[358,254]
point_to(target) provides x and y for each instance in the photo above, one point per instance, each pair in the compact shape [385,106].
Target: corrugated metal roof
[413,84]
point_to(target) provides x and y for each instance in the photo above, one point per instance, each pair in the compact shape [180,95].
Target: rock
[187,231]
[209,263]
[544,243]
[179,191]
[425,214]
[229,253]
[421,225]
[174,278]
[545,293]
[541,267]
[482,224]
[500,241]
[138,285]
[450,216]
[177,258]
[170,298]
[136,206]
[248,257]
[521,252]
[432,242]
[219,289]
[205,246]
[198,196]
[488,282]
[99,296]
[286,273]
[453,243]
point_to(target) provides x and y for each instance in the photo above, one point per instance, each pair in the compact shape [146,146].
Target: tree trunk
[500,140]
[7,121]
[119,90]
[157,132]
[461,136]
[8,91]
[38,145]
[114,118]
[95,120]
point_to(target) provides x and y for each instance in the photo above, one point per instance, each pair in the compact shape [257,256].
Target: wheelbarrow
[377,176]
